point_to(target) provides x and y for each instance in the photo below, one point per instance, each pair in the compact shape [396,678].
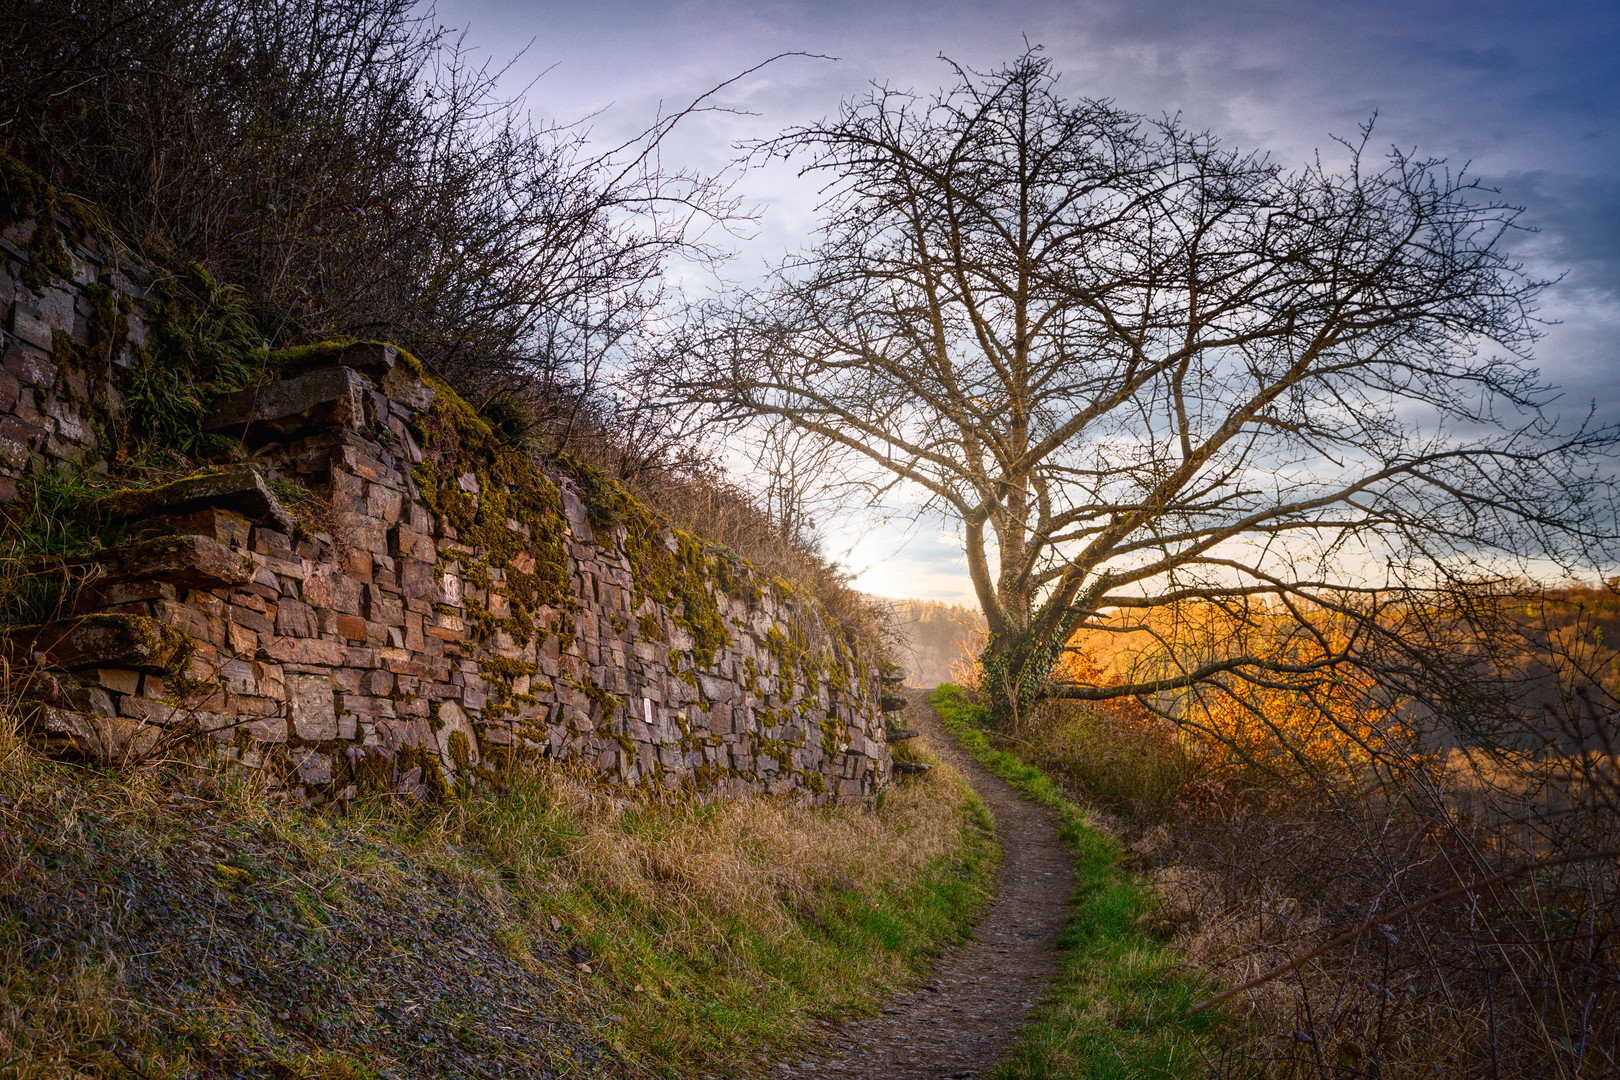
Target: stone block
[453,720]
[242,614]
[69,424]
[240,640]
[263,729]
[118,594]
[346,595]
[191,562]
[241,491]
[579,520]
[65,732]
[357,564]
[383,503]
[118,680]
[272,544]
[17,440]
[304,651]
[237,677]
[314,768]
[714,689]
[186,618]
[415,640]
[362,657]
[87,698]
[149,710]
[403,663]
[295,619]
[379,607]
[408,390]
[417,578]
[411,543]
[35,321]
[286,567]
[330,397]
[363,533]
[99,641]
[272,680]
[311,708]
[318,589]
[368,467]
[447,628]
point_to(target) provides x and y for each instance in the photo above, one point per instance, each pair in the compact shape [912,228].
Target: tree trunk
[1017,665]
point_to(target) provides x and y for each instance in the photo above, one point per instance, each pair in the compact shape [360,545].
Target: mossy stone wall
[385,597]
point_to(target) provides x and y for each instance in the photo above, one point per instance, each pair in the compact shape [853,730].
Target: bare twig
[1401,913]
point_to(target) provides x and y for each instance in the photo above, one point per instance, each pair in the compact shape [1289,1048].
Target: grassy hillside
[176,922]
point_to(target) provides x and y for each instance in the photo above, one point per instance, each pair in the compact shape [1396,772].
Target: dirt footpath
[965,1015]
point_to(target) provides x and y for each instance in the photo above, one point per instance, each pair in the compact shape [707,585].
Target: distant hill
[934,635]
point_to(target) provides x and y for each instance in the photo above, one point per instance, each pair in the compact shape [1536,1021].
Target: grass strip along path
[1117,1010]
[964,1018]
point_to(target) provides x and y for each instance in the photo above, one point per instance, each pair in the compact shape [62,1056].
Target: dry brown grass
[1516,980]
[771,907]
[50,1012]
[697,861]
[1512,981]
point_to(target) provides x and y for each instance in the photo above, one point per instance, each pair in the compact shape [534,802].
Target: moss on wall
[24,196]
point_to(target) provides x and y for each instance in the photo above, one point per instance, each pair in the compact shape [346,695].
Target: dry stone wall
[375,593]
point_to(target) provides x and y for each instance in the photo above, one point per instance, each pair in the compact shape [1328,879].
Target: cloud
[1579,222]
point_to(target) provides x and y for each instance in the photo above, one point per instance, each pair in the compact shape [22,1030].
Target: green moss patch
[24,196]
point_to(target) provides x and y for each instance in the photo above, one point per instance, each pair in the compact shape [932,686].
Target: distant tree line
[939,639]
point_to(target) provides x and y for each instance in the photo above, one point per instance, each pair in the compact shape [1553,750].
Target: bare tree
[1143,368]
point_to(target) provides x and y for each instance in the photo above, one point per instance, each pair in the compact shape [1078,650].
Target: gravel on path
[964,1017]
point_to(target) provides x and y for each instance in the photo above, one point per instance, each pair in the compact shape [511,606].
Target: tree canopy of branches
[1143,369]
[347,166]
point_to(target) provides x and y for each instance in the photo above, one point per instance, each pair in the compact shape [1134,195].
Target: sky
[1525,95]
